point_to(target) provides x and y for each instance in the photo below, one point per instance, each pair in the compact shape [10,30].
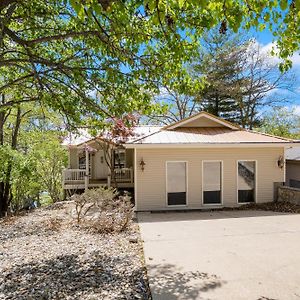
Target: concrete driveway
[222,255]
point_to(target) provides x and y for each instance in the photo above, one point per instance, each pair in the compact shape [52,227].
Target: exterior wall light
[142,164]
[280,162]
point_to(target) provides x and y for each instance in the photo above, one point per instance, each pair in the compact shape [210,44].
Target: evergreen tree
[220,63]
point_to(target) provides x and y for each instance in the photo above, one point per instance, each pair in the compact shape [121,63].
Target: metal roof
[180,133]
[82,135]
[211,135]
[292,154]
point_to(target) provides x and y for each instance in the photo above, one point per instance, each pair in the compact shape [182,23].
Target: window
[246,181]
[295,183]
[212,178]
[176,183]
[119,158]
[82,160]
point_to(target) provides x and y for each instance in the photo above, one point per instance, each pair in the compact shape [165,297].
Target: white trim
[199,116]
[202,189]
[186,183]
[237,181]
[284,166]
[135,181]
[208,145]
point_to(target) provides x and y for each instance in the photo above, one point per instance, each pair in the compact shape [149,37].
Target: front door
[100,165]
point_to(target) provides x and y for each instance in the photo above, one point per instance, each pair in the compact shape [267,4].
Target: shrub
[103,210]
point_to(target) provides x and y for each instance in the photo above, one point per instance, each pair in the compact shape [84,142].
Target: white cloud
[296,109]
[272,46]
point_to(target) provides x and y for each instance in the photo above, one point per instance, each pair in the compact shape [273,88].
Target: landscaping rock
[44,256]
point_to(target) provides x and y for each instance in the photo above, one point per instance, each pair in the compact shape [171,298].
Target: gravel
[44,254]
[282,206]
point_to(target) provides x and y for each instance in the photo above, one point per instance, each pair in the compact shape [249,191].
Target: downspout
[135,181]
[86,179]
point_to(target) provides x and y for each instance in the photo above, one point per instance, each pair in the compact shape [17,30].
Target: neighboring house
[200,162]
[292,157]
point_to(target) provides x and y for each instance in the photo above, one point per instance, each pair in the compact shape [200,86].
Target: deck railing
[73,174]
[123,174]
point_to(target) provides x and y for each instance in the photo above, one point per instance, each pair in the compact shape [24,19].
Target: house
[293,167]
[199,162]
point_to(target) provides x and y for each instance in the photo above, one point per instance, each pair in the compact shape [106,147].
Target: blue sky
[265,39]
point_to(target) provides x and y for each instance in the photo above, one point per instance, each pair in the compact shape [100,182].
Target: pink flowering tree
[121,130]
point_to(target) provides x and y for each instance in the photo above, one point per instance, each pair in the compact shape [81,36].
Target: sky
[265,39]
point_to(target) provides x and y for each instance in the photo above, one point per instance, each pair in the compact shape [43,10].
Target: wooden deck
[79,185]
[74,179]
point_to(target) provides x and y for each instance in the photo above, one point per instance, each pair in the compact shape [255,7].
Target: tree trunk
[3,204]
[5,185]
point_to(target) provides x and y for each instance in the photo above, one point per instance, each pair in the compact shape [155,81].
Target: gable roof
[209,136]
[202,115]
[222,132]
[211,130]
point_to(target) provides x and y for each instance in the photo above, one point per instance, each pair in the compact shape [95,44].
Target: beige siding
[292,171]
[99,165]
[73,158]
[151,183]
[201,122]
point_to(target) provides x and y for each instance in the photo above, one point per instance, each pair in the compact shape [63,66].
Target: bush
[103,210]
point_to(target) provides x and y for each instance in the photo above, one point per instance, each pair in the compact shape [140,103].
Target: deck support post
[109,180]
[86,179]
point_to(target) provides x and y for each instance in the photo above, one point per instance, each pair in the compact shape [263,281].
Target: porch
[78,179]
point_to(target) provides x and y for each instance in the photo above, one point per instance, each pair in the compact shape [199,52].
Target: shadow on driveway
[169,283]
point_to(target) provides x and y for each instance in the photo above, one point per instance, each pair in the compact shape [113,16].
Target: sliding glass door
[176,183]
[246,181]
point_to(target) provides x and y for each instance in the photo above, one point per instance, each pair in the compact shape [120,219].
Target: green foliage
[238,78]
[36,168]
[58,51]
[50,159]
[281,122]
[31,157]
[220,66]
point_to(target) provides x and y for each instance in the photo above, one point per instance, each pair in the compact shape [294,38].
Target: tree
[156,24]
[31,156]
[173,107]
[50,159]
[52,56]
[262,84]
[72,47]
[121,129]
[55,53]
[283,122]
[238,81]
[220,67]
[239,78]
